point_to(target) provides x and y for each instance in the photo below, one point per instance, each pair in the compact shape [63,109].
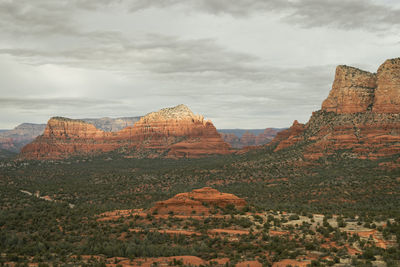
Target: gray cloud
[162,54]
[156,54]
[201,60]
[251,63]
[57,17]
[342,14]
[46,103]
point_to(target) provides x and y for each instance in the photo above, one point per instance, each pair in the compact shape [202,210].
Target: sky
[242,64]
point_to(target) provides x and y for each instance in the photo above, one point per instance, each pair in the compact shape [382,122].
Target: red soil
[278,233]
[249,264]
[228,231]
[294,263]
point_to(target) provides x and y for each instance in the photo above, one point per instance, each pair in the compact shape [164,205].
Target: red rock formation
[387,95]
[346,122]
[352,91]
[178,131]
[65,137]
[289,136]
[172,132]
[197,202]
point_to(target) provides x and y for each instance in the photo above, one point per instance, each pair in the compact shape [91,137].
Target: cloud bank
[248,64]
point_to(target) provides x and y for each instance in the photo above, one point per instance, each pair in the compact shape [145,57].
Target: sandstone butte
[171,132]
[361,116]
[196,203]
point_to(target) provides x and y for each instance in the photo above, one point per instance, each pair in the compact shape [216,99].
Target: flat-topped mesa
[65,128]
[198,202]
[387,94]
[64,137]
[352,91]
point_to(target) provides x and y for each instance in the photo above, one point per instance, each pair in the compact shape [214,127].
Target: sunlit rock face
[387,93]
[361,116]
[352,91]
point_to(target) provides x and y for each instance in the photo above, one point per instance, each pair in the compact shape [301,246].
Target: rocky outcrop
[197,202]
[352,91]
[387,94]
[172,132]
[289,136]
[355,119]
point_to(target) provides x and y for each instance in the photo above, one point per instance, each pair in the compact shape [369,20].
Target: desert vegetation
[336,209]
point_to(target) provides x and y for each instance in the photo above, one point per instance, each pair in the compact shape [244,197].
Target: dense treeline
[82,188]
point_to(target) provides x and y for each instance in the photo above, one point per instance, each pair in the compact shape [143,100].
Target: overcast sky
[242,64]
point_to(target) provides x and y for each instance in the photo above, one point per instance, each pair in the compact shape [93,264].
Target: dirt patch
[294,263]
[162,261]
[278,233]
[228,231]
[168,231]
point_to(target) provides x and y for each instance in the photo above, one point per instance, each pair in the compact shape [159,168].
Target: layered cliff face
[63,137]
[357,118]
[387,94]
[352,91]
[289,136]
[198,202]
[172,132]
[15,139]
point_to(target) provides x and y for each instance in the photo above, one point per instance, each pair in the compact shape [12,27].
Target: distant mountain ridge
[13,140]
[240,138]
[240,132]
[112,124]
